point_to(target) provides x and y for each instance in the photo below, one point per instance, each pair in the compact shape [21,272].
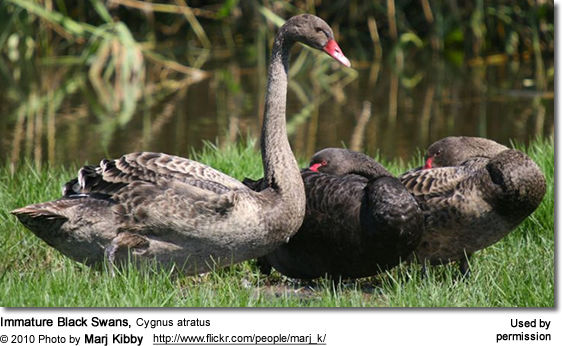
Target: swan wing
[172,206]
[433,181]
[156,168]
[331,197]
[475,163]
[421,181]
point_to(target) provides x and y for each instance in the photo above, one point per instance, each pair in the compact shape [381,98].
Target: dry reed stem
[51,128]
[38,136]
[393,99]
[195,25]
[18,136]
[196,74]
[391,14]
[426,113]
[358,135]
[427,11]
[165,8]
[373,31]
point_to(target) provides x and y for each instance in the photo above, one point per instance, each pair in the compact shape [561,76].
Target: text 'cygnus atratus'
[181,212]
[359,220]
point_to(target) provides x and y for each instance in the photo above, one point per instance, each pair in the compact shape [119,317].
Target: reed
[469,30]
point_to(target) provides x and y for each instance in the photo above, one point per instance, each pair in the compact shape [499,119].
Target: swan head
[335,161]
[316,33]
[443,153]
[452,151]
[338,161]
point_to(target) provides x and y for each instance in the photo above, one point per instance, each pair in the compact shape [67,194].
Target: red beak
[428,163]
[314,167]
[335,52]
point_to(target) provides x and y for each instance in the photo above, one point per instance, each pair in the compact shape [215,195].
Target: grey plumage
[154,206]
[454,150]
[475,199]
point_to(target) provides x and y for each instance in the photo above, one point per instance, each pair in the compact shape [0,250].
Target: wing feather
[156,168]
[174,206]
[433,181]
[427,182]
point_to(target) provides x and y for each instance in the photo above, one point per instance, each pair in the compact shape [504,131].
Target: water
[61,116]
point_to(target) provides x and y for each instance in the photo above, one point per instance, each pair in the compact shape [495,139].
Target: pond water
[374,107]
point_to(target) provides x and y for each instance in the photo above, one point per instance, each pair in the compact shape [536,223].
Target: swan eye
[320,30]
[324,163]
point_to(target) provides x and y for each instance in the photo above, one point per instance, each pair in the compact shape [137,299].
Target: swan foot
[464,266]
[110,257]
[118,252]
[424,270]
[264,266]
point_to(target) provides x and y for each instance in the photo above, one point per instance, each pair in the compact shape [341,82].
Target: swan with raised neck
[179,212]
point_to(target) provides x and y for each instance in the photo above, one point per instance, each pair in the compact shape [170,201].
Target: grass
[518,271]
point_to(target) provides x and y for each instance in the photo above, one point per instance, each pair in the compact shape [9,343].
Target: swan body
[474,199]
[179,212]
[359,220]
[156,206]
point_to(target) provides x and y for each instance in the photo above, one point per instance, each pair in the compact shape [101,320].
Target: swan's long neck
[370,170]
[360,164]
[280,166]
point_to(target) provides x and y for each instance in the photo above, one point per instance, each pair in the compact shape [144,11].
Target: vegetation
[518,271]
[470,29]
[109,62]
[83,79]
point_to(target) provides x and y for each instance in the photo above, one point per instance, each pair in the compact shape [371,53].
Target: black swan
[476,198]
[181,212]
[359,220]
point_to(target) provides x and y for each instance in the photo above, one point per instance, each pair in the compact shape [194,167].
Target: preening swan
[359,220]
[473,192]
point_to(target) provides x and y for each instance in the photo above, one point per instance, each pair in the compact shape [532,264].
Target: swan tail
[43,219]
[62,226]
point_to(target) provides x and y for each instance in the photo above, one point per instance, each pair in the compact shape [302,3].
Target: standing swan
[180,212]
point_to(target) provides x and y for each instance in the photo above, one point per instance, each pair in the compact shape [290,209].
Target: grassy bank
[517,271]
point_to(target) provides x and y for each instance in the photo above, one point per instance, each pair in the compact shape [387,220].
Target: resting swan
[473,192]
[359,220]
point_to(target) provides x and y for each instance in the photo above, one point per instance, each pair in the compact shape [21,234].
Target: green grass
[518,271]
